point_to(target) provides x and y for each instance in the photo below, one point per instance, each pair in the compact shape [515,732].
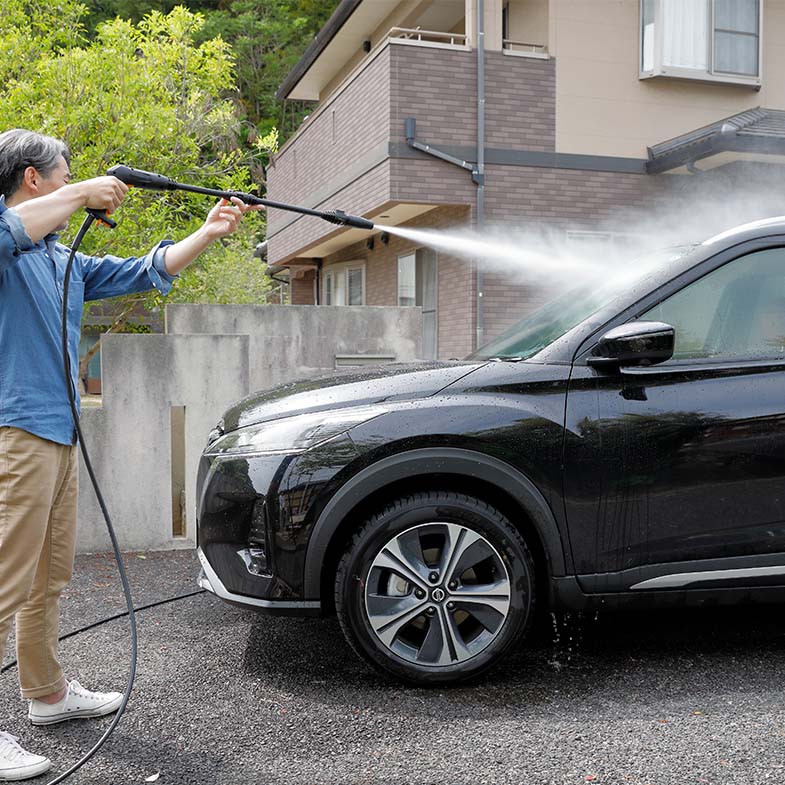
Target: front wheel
[435,588]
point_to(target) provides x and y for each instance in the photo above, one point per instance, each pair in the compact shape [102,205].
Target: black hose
[115,546]
[12,663]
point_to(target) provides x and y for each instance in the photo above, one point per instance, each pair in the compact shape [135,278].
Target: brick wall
[555,200]
[438,88]
[520,105]
[302,289]
[455,278]
[337,134]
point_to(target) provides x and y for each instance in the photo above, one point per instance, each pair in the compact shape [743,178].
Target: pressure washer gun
[158,182]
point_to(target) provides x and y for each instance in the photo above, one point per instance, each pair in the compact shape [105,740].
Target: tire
[404,586]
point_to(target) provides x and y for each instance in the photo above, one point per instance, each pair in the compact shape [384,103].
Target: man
[38,459]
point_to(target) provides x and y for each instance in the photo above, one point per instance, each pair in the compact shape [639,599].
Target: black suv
[615,449]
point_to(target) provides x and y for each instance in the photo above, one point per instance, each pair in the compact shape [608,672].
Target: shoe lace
[10,749]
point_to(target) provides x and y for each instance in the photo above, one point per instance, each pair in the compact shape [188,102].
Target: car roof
[748,231]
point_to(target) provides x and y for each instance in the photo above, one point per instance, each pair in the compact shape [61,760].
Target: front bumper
[209,580]
[254,518]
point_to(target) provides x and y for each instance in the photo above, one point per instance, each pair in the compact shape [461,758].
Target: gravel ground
[224,696]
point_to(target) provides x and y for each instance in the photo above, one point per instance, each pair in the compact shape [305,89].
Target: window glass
[736,36]
[647,39]
[355,286]
[686,24]
[736,54]
[734,313]
[407,280]
[740,16]
[328,288]
[428,297]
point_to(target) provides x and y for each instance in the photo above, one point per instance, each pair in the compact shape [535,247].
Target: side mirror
[635,343]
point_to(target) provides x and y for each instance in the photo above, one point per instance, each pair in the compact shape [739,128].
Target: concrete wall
[288,342]
[211,357]
[129,437]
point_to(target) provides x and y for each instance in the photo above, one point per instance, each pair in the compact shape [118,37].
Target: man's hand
[221,221]
[103,193]
[225,217]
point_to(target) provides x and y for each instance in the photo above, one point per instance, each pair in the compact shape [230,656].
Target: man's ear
[30,178]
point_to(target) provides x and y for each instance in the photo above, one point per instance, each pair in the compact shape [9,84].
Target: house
[566,114]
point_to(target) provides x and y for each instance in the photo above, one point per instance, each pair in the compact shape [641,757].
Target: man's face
[54,179]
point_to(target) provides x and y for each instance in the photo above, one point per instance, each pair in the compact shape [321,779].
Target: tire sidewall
[406,515]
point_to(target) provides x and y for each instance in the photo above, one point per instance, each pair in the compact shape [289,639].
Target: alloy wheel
[437,594]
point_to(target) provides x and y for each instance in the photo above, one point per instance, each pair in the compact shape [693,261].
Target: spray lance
[158,182]
[154,182]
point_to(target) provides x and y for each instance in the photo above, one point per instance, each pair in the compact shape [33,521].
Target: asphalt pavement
[227,697]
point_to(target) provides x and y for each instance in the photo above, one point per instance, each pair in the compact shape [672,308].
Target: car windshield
[557,317]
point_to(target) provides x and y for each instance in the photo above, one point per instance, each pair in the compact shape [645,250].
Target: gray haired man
[38,462]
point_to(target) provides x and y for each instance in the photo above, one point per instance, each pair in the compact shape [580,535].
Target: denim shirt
[33,395]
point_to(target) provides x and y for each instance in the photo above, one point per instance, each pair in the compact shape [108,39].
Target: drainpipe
[479,175]
[477,170]
[318,279]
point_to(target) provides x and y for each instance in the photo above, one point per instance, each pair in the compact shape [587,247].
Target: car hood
[341,390]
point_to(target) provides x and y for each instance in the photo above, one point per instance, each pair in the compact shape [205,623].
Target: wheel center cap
[438,595]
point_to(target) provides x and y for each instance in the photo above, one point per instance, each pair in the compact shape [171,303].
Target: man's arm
[111,276]
[221,221]
[45,214]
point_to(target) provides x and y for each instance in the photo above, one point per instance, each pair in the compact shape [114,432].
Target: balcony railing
[521,49]
[403,35]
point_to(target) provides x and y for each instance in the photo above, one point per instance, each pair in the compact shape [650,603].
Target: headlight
[216,433]
[292,434]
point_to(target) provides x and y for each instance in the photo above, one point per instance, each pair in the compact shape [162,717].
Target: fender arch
[441,460]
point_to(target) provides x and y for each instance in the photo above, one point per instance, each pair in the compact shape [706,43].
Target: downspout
[479,175]
[318,280]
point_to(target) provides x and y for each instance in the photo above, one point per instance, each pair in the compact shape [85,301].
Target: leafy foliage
[149,95]
[267,39]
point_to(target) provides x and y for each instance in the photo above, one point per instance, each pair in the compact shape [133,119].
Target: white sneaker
[18,764]
[78,702]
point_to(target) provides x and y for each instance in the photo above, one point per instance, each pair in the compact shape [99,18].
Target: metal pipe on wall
[480,175]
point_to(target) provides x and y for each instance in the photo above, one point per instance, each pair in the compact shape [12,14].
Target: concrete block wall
[289,342]
[129,436]
[211,357]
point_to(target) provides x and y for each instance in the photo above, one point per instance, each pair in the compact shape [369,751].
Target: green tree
[267,39]
[150,96]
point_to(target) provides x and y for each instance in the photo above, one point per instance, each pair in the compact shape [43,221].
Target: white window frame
[342,269]
[694,74]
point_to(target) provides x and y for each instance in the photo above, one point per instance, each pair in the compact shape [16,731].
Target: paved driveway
[228,697]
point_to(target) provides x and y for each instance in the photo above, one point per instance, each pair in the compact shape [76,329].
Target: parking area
[228,697]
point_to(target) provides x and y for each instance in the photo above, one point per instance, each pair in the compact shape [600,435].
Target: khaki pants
[38,492]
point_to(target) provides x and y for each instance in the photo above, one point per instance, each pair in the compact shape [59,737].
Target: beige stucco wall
[603,108]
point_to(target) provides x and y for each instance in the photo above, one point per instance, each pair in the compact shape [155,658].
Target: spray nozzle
[344,219]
